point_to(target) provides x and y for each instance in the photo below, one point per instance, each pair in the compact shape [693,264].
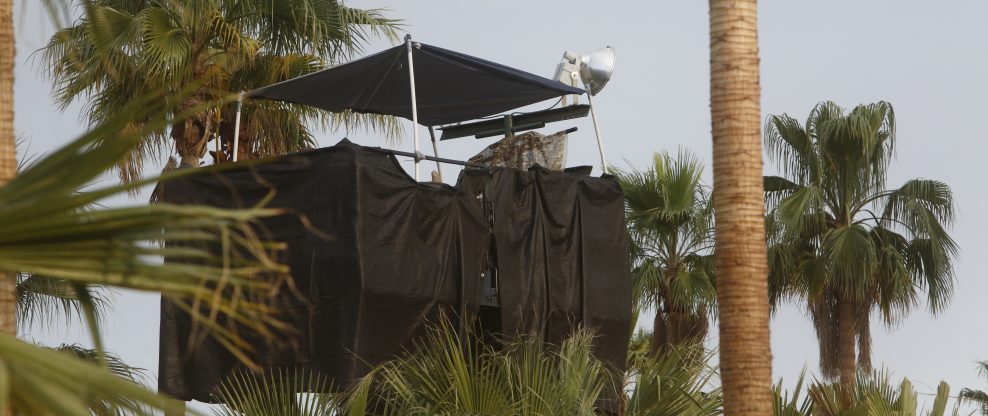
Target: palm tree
[8,155]
[207,49]
[276,393]
[446,374]
[450,375]
[841,241]
[45,230]
[675,384]
[873,394]
[742,272]
[670,220]
[978,397]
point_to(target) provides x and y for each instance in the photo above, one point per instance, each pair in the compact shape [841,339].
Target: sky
[928,59]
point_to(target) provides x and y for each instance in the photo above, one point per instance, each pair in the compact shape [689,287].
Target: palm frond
[977,397]
[788,144]
[45,231]
[117,50]
[449,374]
[675,384]
[279,392]
[40,381]
[116,366]
[41,301]
[796,404]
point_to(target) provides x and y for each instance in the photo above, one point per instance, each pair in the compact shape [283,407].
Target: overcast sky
[928,59]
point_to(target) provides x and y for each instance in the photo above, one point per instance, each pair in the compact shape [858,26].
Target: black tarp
[450,86]
[391,255]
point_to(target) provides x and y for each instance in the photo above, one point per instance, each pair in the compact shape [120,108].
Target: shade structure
[450,86]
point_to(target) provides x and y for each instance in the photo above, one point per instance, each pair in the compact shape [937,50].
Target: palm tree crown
[204,50]
[843,242]
[670,220]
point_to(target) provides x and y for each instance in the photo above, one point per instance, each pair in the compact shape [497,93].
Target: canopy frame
[498,88]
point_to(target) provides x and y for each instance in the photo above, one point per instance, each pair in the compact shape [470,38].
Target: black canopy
[450,87]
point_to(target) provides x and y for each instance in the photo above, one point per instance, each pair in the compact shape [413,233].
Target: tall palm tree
[8,154]
[742,272]
[670,220]
[844,243]
[120,49]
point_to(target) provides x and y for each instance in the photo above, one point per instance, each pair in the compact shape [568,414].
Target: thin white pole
[415,110]
[596,129]
[236,128]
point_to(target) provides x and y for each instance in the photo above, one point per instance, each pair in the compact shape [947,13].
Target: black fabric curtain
[392,255]
[562,255]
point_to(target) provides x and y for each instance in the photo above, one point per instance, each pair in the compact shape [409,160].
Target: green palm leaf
[42,300]
[220,269]
[40,381]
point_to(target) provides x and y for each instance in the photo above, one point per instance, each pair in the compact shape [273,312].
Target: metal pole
[435,151]
[415,110]
[424,157]
[236,128]
[596,129]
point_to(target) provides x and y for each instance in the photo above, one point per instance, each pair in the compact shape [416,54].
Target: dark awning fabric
[450,87]
[392,255]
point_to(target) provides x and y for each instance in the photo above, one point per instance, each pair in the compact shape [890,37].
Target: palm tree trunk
[8,157]
[847,328]
[190,136]
[660,337]
[864,336]
[742,269]
[8,153]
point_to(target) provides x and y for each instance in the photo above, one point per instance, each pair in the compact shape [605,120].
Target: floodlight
[594,68]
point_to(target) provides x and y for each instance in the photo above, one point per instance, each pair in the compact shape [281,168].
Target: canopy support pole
[236,128]
[435,151]
[424,157]
[596,129]
[415,110]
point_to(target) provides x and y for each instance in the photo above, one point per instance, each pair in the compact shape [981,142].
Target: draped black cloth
[391,255]
[450,87]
